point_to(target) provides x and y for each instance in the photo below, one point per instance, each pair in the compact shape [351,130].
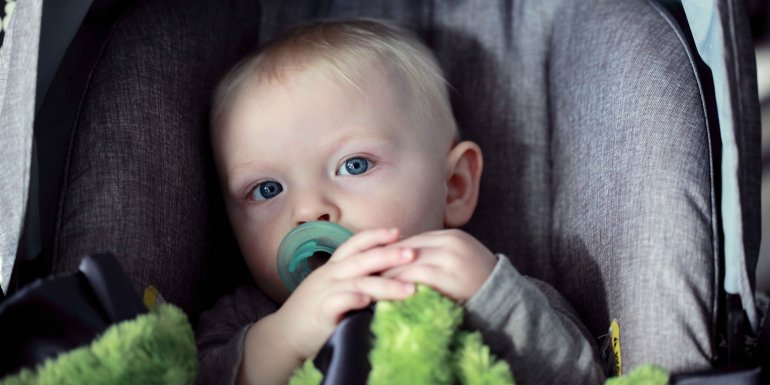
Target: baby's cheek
[424,211]
[411,216]
[259,257]
[263,268]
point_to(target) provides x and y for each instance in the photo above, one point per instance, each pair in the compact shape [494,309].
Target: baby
[350,122]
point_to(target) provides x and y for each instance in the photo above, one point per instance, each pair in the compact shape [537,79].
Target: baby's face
[307,148]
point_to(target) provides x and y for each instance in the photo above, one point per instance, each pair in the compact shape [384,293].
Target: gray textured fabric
[523,321]
[18,75]
[139,182]
[221,332]
[527,323]
[634,210]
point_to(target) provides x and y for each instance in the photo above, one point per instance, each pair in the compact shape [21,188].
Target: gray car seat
[602,155]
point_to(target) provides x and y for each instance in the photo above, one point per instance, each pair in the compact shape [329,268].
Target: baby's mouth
[318,259]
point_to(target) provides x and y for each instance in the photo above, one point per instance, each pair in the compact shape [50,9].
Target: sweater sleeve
[221,332]
[527,323]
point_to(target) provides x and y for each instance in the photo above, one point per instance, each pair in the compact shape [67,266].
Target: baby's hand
[346,282]
[450,261]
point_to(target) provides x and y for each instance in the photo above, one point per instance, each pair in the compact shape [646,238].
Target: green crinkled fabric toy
[419,341]
[153,348]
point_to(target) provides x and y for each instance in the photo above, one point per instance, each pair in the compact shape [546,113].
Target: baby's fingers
[379,288]
[360,292]
[364,241]
[371,262]
[335,307]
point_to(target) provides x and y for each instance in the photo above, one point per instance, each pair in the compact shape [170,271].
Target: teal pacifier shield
[298,247]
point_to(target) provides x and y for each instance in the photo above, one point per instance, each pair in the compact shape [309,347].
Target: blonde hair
[347,50]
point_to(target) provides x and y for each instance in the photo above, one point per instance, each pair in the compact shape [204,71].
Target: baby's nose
[310,207]
[323,217]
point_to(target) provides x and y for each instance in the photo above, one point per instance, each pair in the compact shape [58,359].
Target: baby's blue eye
[355,166]
[265,190]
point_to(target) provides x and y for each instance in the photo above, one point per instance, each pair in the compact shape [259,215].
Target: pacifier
[307,247]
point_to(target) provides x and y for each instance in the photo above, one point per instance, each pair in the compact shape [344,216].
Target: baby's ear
[464,164]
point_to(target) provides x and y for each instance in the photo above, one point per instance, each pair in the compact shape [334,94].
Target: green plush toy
[420,341]
[417,341]
[153,348]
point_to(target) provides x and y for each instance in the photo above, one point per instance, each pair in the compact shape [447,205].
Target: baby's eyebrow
[378,139]
[238,176]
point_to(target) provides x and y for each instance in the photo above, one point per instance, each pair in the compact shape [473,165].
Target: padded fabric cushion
[17,111]
[634,216]
[139,182]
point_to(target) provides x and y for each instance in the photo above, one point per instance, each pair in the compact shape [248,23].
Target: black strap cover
[53,316]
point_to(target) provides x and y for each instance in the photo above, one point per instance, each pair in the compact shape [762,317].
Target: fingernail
[392,230]
[407,253]
[408,288]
